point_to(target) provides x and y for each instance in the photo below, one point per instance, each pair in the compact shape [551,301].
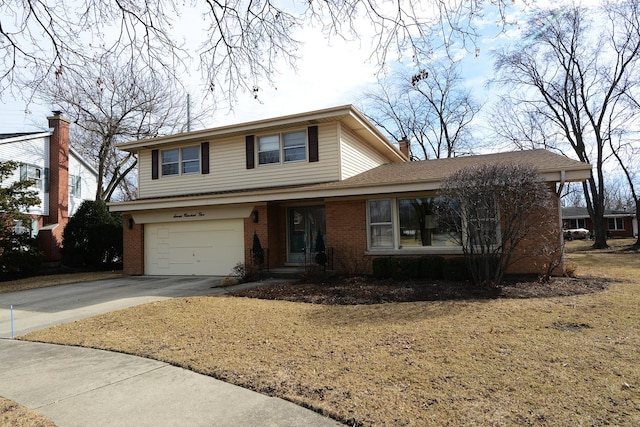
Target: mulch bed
[359,290]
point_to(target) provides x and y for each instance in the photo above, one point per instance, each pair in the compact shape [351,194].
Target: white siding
[355,156]
[228,169]
[34,151]
[87,187]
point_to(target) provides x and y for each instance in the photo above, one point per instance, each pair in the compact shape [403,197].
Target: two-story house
[203,194]
[63,179]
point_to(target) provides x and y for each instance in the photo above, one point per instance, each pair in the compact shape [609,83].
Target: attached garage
[207,248]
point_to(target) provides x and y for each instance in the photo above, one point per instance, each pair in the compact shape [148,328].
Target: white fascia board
[28,137]
[82,160]
[240,128]
[279,195]
[264,197]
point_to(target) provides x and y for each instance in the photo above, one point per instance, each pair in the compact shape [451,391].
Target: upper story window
[181,161]
[298,146]
[31,173]
[189,160]
[268,149]
[294,146]
[75,186]
[290,147]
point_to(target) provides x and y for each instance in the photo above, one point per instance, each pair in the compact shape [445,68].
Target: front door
[303,225]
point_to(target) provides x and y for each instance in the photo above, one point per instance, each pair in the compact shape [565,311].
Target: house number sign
[189,215]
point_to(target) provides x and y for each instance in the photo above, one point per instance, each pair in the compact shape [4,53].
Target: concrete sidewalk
[75,386]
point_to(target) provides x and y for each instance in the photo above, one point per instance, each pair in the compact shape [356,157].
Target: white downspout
[561,224]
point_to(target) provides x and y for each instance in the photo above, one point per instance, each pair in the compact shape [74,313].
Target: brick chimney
[58,187]
[404,147]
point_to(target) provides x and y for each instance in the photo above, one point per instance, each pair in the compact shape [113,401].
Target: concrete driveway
[80,386]
[41,308]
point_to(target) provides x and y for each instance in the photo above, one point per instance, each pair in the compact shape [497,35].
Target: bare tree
[500,207]
[575,81]
[627,154]
[573,195]
[240,41]
[111,103]
[521,126]
[431,108]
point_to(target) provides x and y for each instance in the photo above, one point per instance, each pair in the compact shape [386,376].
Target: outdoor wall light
[254,216]
[130,223]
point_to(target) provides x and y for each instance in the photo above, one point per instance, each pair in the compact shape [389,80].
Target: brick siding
[133,246]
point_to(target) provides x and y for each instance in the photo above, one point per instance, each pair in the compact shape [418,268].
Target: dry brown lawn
[14,415]
[542,361]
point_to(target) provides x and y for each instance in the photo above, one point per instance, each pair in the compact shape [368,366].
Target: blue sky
[330,73]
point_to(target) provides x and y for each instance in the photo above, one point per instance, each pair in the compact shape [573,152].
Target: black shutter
[250,152]
[204,157]
[313,143]
[154,164]
[46,180]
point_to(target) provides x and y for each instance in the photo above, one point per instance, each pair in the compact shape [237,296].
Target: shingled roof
[423,175]
[434,171]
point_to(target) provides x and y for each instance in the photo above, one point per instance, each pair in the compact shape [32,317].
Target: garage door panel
[198,247]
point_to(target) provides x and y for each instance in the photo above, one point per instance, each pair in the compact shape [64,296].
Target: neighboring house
[617,223]
[62,178]
[203,194]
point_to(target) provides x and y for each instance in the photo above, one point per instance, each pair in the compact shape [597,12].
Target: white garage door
[195,247]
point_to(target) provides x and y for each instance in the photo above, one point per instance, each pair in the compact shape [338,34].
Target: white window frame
[615,224]
[75,185]
[282,149]
[20,228]
[392,223]
[182,163]
[32,173]
[188,162]
[579,223]
[267,154]
[396,247]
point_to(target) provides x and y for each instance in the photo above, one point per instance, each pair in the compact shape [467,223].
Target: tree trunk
[636,245]
[599,230]
[595,206]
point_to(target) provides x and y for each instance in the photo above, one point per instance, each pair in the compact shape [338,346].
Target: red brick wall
[133,246]
[627,223]
[347,235]
[260,228]
[51,242]
[277,243]
[627,232]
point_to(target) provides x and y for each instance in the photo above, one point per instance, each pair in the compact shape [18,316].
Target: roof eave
[240,128]
[345,113]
